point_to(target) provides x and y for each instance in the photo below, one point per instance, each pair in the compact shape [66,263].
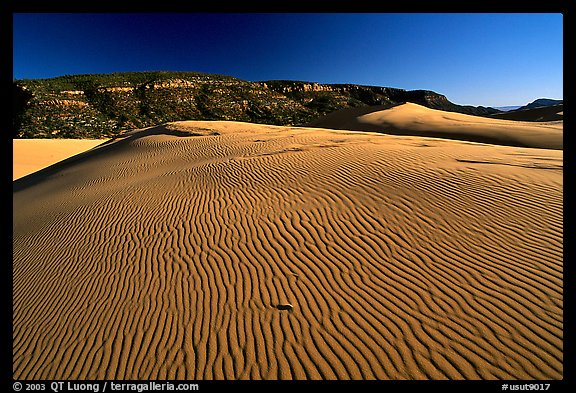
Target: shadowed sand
[227,250]
[413,119]
[545,113]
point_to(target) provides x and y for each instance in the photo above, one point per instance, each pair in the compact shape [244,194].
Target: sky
[473,59]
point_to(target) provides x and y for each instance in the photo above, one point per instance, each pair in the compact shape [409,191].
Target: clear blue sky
[473,59]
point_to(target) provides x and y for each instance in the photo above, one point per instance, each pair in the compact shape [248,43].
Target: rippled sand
[227,250]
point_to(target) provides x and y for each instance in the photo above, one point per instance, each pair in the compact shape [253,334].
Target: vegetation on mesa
[103,105]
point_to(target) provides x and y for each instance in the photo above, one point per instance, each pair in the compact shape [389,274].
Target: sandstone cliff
[103,105]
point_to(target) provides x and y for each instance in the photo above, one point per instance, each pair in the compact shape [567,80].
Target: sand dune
[225,250]
[31,155]
[413,119]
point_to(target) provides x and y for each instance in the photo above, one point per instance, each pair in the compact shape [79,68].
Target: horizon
[490,60]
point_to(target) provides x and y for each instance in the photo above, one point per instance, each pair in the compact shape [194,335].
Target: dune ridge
[176,251]
[414,119]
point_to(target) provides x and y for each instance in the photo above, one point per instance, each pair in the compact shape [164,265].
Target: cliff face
[103,105]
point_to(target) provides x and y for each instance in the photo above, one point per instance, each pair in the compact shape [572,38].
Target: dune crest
[414,119]
[228,250]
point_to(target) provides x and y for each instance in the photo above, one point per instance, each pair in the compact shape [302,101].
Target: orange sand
[227,250]
[413,119]
[31,155]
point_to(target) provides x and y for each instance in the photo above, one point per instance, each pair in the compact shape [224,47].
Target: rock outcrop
[103,105]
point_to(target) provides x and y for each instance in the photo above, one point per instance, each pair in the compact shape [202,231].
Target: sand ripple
[259,252]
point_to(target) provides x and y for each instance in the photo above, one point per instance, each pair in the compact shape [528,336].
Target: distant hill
[540,102]
[104,105]
[542,109]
